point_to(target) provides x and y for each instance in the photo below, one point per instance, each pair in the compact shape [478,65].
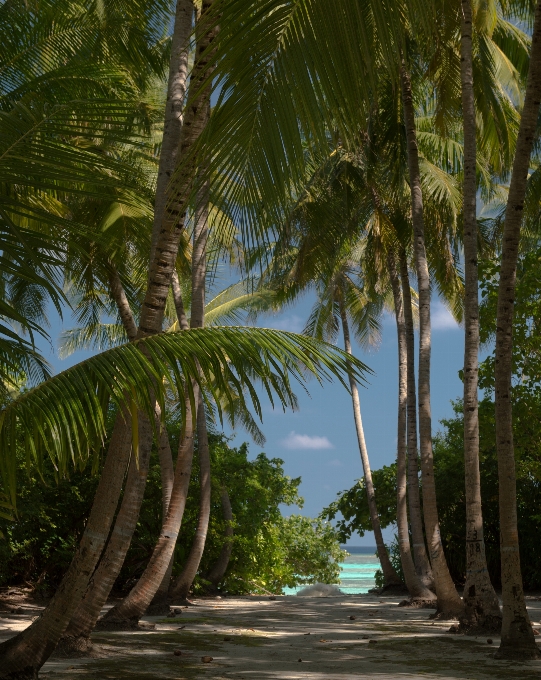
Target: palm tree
[517,640]
[449,602]
[482,609]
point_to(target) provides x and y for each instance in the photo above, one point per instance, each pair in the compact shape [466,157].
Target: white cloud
[442,319]
[305,441]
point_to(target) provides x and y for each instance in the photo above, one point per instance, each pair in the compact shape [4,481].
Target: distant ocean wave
[358,571]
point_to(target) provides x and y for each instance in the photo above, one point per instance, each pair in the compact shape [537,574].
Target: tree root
[485,625]
[123,624]
[71,646]
[394,589]
[418,603]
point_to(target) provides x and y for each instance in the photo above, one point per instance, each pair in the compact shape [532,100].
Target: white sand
[269,637]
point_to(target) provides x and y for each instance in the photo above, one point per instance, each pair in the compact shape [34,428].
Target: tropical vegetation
[376,153]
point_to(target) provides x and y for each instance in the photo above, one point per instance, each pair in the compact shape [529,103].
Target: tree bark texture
[136,602]
[449,602]
[174,106]
[23,655]
[420,557]
[183,584]
[517,641]
[218,570]
[103,579]
[389,574]
[482,609]
[167,476]
[413,583]
[181,184]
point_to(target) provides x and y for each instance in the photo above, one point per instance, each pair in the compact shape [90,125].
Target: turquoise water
[358,571]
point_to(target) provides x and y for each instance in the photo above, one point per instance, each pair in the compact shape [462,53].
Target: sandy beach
[286,638]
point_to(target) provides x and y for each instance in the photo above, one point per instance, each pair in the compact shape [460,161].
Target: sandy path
[267,639]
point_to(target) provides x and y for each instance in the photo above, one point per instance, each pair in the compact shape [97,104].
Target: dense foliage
[270,551]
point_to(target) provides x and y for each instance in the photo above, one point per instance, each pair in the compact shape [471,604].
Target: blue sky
[318,442]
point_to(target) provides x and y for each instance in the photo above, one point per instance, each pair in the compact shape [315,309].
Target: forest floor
[287,638]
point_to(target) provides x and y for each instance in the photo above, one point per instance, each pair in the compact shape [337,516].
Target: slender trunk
[172,125]
[422,564]
[83,622]
[167,475]
[23,655]
[389,574]
[482,609]
[76,636]
[179,304]
[136,602]
[182,586]
[517,640]
[413,582]
[217,572]
[449,602]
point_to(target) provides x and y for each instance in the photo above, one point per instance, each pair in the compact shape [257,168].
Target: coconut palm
[517,637]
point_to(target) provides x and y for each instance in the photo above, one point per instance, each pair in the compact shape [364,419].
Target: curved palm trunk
[422,565]
[167,476]
[449,602]
[389,574]
[183,584]
[134,605]
[517,640]
[217,572]
[413,583]
[174,105]
[482,609]
[23,655]
[76,636]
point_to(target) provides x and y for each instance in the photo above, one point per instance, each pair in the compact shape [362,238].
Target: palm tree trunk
[77,634]
[422,564]
[449,602]
[413,582]
[389,574]
[482,609]
[217,572]
[182,586]
[174,106]
[136,602]
[23,655]
[167,476]
[517,640]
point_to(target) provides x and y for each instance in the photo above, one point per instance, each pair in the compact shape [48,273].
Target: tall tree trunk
[389,574]
[134,605]
[174,106]
[482,609]
[413,582]
[217,572]
[22,656]
[449,602]
[77,634]
[25,653]
[517,640]
[422,564]
[182,586]
[167,475]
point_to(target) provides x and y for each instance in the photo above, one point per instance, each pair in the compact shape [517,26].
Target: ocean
[358,571]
